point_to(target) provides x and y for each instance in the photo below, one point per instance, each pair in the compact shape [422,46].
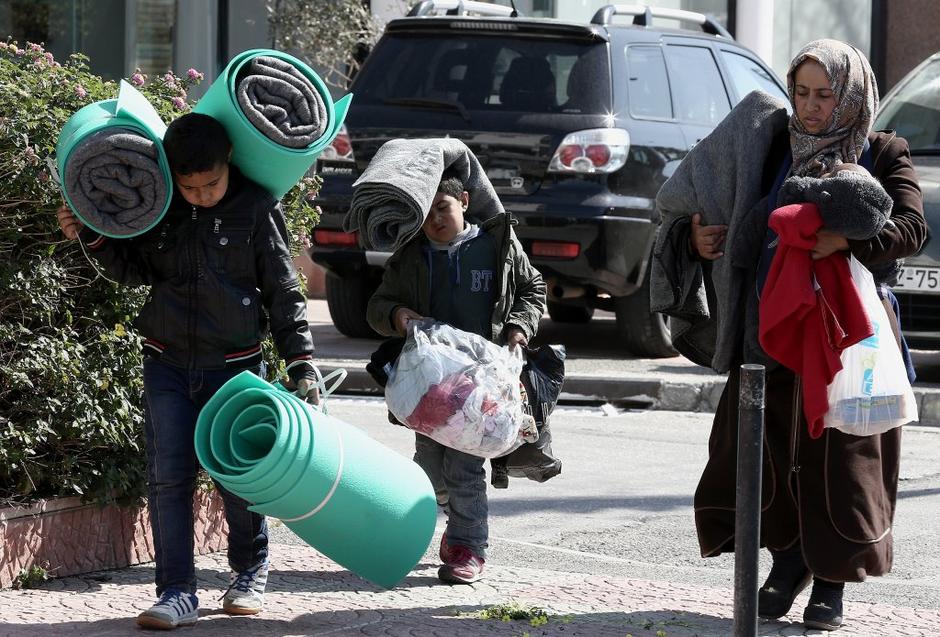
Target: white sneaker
[174,608]
[245,595]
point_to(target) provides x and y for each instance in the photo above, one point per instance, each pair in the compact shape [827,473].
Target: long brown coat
[835,494]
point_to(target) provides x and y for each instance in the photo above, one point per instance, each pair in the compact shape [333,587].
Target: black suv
[577,126]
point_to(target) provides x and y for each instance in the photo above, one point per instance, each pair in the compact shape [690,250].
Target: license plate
[501,174]
[918,279]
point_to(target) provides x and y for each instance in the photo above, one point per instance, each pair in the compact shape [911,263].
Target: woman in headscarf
[828,502]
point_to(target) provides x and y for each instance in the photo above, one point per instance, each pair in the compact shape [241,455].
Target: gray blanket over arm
[114,180]
[281,102]
[721,179]
[393,195]
[713,304]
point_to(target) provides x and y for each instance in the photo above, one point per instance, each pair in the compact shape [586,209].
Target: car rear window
[488,73]
[914,111]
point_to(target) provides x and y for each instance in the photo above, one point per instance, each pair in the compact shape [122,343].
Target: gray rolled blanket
[281,102]
[114,180]
[393,195]
[720,179]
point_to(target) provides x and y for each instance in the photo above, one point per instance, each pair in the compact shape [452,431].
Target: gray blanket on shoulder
[393,195]
[114,181]
[281,102]
[713,304]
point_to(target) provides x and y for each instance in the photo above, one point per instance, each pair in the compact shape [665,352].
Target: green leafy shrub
[70,387]
[33,577]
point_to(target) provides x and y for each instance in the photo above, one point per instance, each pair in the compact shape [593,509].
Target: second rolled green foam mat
[361,504]
[273,166]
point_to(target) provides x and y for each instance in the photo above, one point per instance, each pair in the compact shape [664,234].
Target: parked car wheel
[347,298]
[561,313]
[645,333]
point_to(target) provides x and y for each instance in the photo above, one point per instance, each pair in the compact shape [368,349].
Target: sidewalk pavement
[310,595]
[596,369]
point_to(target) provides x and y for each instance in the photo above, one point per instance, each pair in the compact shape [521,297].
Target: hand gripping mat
[356,501]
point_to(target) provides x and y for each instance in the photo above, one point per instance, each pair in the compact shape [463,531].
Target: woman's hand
[69,224]
[706,241]
[828,242]
[401,317]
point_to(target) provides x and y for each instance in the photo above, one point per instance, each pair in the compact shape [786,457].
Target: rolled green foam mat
[134,114]
[361,504]
[276,168]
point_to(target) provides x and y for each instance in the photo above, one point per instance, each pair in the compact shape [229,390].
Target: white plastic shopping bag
[459,389]
[871,394]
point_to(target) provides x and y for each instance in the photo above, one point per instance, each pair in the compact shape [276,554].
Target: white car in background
[912,108]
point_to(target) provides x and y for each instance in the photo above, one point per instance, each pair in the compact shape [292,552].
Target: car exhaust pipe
[558,291]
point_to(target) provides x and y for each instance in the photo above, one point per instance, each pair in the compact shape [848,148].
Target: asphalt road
[622,505]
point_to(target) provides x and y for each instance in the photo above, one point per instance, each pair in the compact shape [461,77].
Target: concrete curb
[639,391]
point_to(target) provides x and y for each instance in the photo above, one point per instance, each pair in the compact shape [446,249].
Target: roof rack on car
[643,16]
[461,7]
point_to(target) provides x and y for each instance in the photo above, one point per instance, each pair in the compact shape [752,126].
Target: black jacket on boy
[219,278]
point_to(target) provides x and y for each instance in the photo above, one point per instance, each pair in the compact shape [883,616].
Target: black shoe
[787,579]
[824,610]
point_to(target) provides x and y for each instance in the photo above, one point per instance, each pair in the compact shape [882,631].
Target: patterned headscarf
[856,93]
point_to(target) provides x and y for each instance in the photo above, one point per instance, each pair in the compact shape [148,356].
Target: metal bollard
[748,498]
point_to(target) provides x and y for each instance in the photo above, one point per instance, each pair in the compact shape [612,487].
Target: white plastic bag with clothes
[458,389]
[871,394]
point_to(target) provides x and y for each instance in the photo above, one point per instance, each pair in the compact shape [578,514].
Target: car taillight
[557,249]
[341,147]
[597,150]
[336,238]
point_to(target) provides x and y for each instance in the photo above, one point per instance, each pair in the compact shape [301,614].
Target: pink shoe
[463,567]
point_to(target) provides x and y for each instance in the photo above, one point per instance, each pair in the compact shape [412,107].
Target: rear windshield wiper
[424,102]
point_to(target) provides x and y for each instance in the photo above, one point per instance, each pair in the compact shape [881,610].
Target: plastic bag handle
[338,374]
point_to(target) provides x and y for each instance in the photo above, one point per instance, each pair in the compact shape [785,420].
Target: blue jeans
[459,480]
[174,397]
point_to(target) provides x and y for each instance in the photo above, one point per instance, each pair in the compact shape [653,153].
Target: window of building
[153,46]
[116,35]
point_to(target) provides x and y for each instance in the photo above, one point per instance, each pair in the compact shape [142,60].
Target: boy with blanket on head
[219,255]
[478,279]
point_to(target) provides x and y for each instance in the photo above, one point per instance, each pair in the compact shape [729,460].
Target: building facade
[120,36]
[895,34]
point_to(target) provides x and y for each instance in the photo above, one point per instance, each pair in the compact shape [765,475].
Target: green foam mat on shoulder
[361,504]
[129,110]
[276,168]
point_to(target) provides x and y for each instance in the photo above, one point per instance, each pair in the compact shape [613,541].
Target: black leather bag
[543,376]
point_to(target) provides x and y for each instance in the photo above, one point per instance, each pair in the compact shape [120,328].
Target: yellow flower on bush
[119,330]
